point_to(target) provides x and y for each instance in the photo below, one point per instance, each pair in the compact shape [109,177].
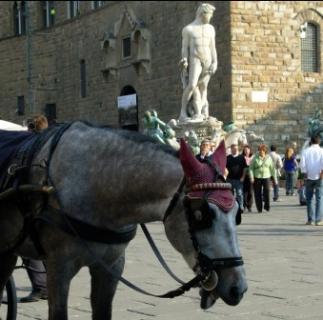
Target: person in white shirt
[312,166]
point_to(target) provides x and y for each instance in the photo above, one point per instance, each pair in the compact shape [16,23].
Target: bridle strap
[218,264]
[158,254]
[174,200]
[224,263]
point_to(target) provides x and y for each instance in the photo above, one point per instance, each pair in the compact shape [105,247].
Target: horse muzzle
[235,295]
[223,277]
[232,286]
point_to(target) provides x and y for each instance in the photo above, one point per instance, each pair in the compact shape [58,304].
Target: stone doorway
[128,109]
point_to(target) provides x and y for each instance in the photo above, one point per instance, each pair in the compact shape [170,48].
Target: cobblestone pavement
[284,264]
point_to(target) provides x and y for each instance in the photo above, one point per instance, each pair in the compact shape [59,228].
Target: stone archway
[128,109]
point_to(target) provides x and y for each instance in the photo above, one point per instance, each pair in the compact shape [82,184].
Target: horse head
[202,227]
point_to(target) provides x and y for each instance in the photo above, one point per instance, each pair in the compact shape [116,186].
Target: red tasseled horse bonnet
[198,173]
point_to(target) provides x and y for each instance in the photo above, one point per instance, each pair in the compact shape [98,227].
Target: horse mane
[133,136]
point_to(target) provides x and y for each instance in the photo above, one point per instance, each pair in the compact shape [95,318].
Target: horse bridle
[205,264]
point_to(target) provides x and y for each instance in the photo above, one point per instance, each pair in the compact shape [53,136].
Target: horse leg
[60,272]
[8,262]
[103,288]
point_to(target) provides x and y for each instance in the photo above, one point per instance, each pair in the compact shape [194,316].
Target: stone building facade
[266,49]
[73,59]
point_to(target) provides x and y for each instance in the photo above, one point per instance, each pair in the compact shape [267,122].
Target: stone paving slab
[284,265]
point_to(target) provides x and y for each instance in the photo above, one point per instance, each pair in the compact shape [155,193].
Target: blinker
[200,218]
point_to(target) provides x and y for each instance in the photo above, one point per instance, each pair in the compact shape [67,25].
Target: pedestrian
[278,165]
[261,169]
[247,185]
[312,167]
[236,166]
[37,275]
[290,167]
[38,123]
[35,268]
[205,150]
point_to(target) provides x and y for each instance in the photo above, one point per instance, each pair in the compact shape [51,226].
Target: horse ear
[189,163]
[219,156]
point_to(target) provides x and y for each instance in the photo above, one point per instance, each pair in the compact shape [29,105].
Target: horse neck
[104,178]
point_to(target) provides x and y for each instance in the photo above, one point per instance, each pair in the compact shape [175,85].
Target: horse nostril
[235,293]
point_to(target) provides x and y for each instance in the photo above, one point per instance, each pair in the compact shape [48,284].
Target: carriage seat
[11,142]
[18,148]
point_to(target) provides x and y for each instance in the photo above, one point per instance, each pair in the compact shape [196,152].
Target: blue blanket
[20,147]
[10,143]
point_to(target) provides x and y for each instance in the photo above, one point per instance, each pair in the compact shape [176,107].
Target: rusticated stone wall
[266,56]
[57,51]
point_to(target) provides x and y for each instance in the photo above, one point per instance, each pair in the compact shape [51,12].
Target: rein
[158,254]
[174,200]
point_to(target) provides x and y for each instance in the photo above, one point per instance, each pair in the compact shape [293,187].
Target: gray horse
[112,179]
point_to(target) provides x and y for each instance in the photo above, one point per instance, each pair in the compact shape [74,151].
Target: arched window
[128,109]
[23,17]
[48,12]
[73,9]
[16,18]
[19,18]
[310,49]
[97,4]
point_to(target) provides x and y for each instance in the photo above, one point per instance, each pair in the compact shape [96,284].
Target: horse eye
[198,215]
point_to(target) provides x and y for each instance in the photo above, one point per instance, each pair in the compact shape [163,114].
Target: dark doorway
[128,109]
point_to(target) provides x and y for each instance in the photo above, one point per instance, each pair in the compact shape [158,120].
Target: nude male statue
[198,63]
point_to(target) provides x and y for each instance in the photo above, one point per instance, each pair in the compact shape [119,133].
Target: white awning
[6,125]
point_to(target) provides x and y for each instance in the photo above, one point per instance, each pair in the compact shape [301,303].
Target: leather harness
[17,175]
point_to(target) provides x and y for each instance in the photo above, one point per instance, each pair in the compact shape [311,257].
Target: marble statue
[198,63]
